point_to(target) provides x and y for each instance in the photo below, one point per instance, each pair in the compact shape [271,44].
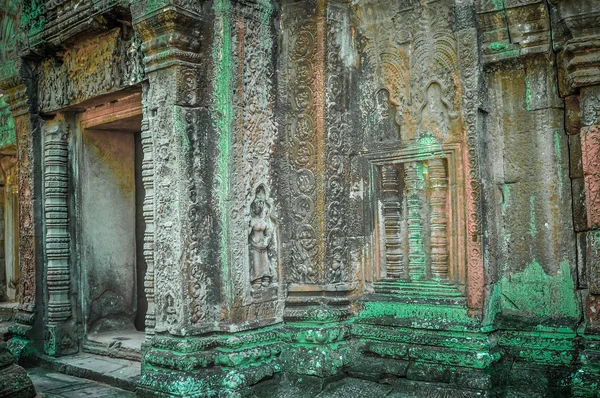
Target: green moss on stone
[532,292]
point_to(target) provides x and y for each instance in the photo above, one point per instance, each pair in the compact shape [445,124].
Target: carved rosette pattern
[415,195]
[438,203]
[336,252]
[254,130]
[56,177]
[392,219]
[305,136]
[469,74]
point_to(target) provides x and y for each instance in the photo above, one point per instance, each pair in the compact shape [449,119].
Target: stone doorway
[111,229]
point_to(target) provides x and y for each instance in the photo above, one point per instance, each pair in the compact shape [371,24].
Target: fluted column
[392,219]
[414,190]
[438,181]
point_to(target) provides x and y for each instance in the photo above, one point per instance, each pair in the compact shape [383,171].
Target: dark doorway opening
[111,238]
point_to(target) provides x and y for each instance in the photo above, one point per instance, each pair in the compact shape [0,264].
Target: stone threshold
[116,372]
[124,344]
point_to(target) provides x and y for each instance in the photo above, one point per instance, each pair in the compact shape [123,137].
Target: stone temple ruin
[285,198]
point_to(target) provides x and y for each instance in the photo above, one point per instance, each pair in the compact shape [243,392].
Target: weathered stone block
[579,205]
[575,159]
[529,24]
[582,282]
[433,372]
[14,381]
[592,259]
[350,387]
[592,314]
[572,114]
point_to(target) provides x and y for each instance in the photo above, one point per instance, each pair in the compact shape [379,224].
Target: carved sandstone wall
[399,191]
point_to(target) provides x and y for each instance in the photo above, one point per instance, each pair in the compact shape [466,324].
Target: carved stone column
[392,219]
[438,213]
[60,338]
[415,191]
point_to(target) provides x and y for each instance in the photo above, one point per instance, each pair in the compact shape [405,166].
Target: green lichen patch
[7,125]
[437,316]
[534,293]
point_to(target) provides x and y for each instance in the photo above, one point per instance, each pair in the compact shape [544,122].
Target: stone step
[424,284]
[416,289]
[8,311]
[120,373]
[419,289]
[423,294]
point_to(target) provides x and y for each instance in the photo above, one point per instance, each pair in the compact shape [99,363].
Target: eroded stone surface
[321,197]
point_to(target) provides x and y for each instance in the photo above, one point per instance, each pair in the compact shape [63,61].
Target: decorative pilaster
[337,116]
[20,104]
[304,128]
[314,105]
[57,239]
[172,201]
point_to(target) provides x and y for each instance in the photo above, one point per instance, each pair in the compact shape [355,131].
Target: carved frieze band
[56,177]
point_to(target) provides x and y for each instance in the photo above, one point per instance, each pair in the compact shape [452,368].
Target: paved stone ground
[120,373]
[50,384]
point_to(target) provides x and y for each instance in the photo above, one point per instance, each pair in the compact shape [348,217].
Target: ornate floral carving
[97,66]
[590,149]
[255,132]
[336,108]
[305,137]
